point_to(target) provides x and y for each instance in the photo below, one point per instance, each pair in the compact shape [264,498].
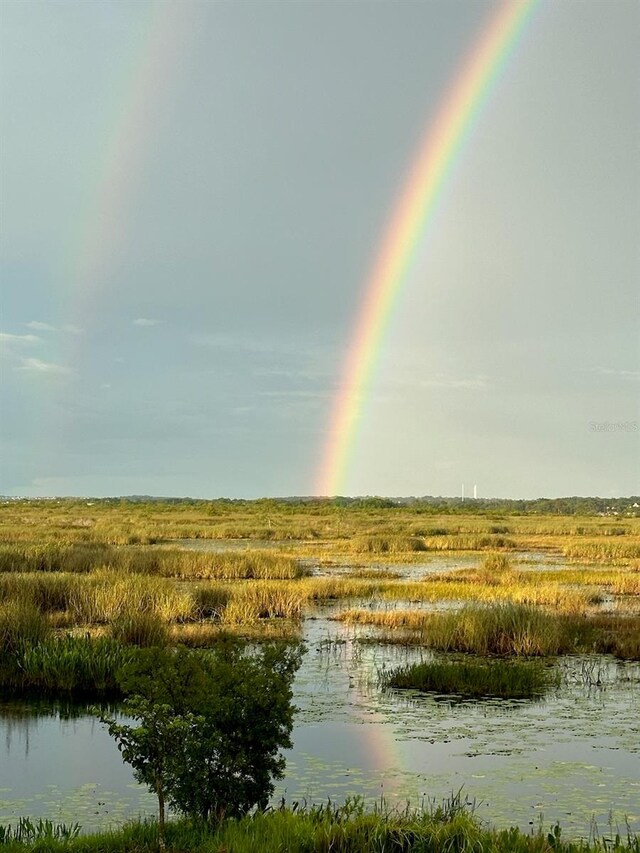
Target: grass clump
[68,666]
[473,678]
[263,600]
[140,629]
[502,630]
[601,551]
[507,629]
[496,568]
[387,544]
[83,558]
[21,625]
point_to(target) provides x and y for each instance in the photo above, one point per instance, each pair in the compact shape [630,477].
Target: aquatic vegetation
[21,624]
[386,544]
[398,544]
[27,831]
[263,600]
[67,665]
[598,551]
[499,630]
[506,630]
[140,629]
[204,635]
[78,558]
[99,597]
[473,678]
[508,589]
[374,573]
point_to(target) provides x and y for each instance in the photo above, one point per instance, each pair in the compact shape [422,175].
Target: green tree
[210,725]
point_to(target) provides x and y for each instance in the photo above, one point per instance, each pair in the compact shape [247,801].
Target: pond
[572,757]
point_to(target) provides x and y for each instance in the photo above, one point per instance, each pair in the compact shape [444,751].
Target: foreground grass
[473,678]
[346,829]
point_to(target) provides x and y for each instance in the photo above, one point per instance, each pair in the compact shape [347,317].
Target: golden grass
[507,630]
[164,562]
[615,551]
[88,563]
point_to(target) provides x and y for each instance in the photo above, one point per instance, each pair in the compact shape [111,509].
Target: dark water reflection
[573,756]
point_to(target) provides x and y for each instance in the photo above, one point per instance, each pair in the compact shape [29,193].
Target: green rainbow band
[437,154]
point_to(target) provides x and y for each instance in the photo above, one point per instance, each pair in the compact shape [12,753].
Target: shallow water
[572,757]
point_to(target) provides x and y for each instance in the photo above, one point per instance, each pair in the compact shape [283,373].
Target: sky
[193,194]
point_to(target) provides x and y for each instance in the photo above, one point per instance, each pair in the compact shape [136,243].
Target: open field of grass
[365,523]
[496,597]
[88,568]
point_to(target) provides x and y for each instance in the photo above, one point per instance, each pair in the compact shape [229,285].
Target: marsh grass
[496,569]
[100,597]
[79,558]
[21,624]
[263,600]
[373,573]
[140,629]
[500,630]
[612,551]
[386,544]
[503,679]
[78,666]
[53,557]
[204,635]
[349,828]
[506,630]
[509,588]
[399,544]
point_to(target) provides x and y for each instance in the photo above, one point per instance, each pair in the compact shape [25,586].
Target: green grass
[346,829]
[503,629]
[474,678]
[21,624]
[65,666]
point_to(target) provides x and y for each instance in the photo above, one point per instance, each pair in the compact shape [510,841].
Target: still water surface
[573,757]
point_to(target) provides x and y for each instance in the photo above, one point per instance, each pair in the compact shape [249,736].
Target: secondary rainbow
[133,106]
[404,235]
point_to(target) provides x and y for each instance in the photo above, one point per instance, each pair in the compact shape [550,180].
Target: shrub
[210,726]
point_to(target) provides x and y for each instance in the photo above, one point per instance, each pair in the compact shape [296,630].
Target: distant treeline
[427,504]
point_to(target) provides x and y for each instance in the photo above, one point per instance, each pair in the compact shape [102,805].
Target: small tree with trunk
[210,726]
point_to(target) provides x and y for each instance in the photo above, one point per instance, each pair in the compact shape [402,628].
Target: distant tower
[463,492]
[475,493]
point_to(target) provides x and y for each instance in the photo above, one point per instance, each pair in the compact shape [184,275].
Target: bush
[211,725]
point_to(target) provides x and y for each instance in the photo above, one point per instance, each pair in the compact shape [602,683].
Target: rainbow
[136,101]
[441,145]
